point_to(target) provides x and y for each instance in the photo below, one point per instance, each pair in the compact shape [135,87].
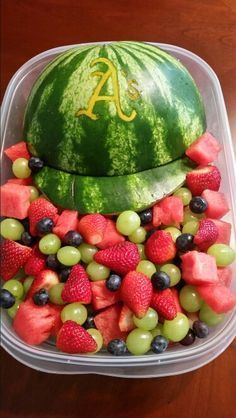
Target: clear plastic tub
[177,359]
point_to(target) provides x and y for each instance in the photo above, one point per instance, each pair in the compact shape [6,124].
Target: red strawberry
[73,339]
[164,303]
[126,322]
[92,228]
[206,235]
[12,256]
[77,287]
[33,323]
[120,258]
[203,178]
[45,279]
[41,208]
[35,263]
[175,295]
[111,236]
[136,292]
[160,247]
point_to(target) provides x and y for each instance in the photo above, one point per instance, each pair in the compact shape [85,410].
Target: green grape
[176,329]
[148,321]
[184,194]
[97,336]
[224,254]
[210,317]
[49,244]
[55,294]
[190,227]
[190,216]
[138,236]
[173,231]
[68,255]
[27,283]
[127,222]
[20,274]
[157,330]
[34,194]
[21,169]
[74,312]
[141,250]
[139,341]
[13,310]
[15,288]
[146,267]
[11,229]
[87,252]
[97,271]
[190,299]
[173,272]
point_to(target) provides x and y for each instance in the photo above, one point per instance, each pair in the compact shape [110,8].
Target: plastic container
[177,359]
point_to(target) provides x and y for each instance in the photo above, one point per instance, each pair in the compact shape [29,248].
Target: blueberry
[45,225]
[159,344]
[72,238]
[41,297]
[52,262]
[189,338]
[200,329]
[26,224]
[35,164]
[150,232]
[113,282]
[180,284]
[145,216]
[160,280]
[27,239]
[7,300]
[89,323]
[198,204]
[64,274]
[185,242]
[117,347]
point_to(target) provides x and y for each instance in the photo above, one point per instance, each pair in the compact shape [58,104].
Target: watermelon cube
[15,200]
[67,221]
[126,322]
[217,204]
[224,230]
[101,296]
[218,297]
[175,295]
[111,236]
[168,211]
[18,150]
[23,182]
[204,150]
[199,268]
[225,276]
[157,214]
[107,322]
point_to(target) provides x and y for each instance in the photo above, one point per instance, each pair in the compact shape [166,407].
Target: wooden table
[207,28]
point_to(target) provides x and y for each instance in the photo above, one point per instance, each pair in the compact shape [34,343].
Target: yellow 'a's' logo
[111,72]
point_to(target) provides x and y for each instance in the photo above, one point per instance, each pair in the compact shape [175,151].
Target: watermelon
[107,322]
[15,200]
[217,204]
[67,221]
[111,236]
[99,114]
[204,150]
[101,296]
[18,150]
[23,182]
[126,322]
[224,230]
[225,275]
[199,268]
[218,297]
[169,211]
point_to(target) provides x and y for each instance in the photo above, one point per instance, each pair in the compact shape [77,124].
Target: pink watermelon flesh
[199,268]
[107,322]
[19,150]
[217,204]
[23,182]
[111,236]
[204,150]
[126,322]
[218,297]
[15,201]
[175,295]
[101,296]
[225,276]
[67,221]
[224,230]
[168,211]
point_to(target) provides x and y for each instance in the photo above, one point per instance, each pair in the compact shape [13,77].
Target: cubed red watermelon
[204,150]
[15,200]
[126,322]
[18,150]
[107,322]
[224,230]
[157,214]
[225,276]
[55,311]
[111,236]
[101,296]
[168,211]
[199,268]
[218,297]
[175,295]
[217,204]
[67,221]
[23,182]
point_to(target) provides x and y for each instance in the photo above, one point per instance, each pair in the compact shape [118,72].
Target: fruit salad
[130,283]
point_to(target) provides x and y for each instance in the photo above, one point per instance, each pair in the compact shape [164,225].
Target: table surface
[207,28]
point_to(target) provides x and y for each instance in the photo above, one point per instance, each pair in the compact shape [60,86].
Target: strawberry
[35,263]
[206,235]
[136,292]
[33,323]
[92,228]
[41,208]
[160,247]
[164,303]
[120,258]
[45,279]
[73,338]
[111,236]
[12,256]
[77,287]
[126,322]
[202,178]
